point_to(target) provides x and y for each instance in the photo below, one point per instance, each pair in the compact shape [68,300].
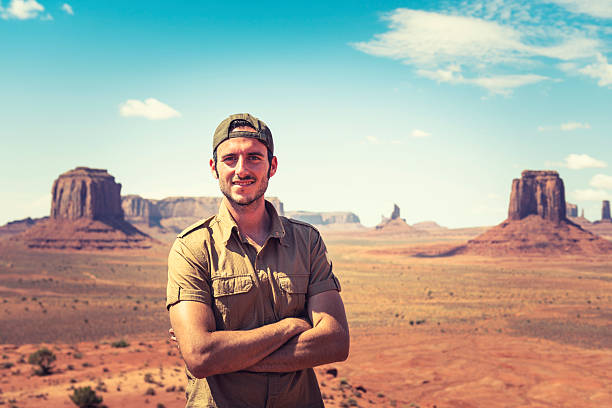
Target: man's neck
[253,220]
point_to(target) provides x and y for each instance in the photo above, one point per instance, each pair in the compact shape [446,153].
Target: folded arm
[326,342]
[208,352]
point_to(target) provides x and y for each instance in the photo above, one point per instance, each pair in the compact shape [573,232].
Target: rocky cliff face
[138,210]
[538,193]
[325,218]
[605,211]
[169,216]
[86,213]
[396,212]
[86,193]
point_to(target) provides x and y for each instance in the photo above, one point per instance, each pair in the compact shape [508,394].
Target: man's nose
[241,166]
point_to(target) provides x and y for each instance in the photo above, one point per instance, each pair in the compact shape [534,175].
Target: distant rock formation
[397,225]
[605,211]
[571,210]
[173,214]
[338,220]
[537,223]
[396,212]
[85,214]
[539,193]
[86,193]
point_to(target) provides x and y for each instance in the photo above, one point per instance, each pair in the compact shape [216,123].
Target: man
[253,302]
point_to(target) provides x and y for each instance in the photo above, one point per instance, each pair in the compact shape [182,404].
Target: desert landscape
[517,315]
[454,155]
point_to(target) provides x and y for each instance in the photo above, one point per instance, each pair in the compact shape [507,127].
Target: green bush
[44,359]
[120,343]
[85,397]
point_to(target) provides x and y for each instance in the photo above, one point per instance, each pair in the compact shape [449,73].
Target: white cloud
[423,37]
[420,133]
[601,181]
[492,42]
[590,195]
[151,108]
[599,70]
[372,140]
[68,9]
[595,8]
[566,127]
[583,161]
[574,125]
[502,84]
[22,10]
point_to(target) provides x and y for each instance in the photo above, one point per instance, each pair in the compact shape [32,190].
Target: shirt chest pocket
[292,290]
[234,297]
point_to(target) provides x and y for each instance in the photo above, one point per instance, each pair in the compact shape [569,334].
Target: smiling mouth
[243,183]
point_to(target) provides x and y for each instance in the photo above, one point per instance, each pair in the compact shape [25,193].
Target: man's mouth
[243,183]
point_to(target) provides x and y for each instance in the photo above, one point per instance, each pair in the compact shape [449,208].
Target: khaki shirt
[211,263]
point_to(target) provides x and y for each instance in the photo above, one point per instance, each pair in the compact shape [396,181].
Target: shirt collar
[228,224]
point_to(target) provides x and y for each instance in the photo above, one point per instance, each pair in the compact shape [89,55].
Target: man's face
[242,169]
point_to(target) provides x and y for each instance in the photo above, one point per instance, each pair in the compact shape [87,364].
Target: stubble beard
[245,201]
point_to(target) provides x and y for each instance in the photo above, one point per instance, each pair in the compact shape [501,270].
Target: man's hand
[328,340]
[208,352]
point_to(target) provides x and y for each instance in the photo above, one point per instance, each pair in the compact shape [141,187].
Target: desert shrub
[85,397]
[120,344]
[7,365]
[160,405]
[148,378]
[44,359]
[150,391]
[78,355]
[349,403]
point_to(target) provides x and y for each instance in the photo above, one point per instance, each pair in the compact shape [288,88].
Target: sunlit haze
[434,106]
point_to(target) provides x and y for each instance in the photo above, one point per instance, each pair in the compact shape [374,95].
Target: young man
[253,302]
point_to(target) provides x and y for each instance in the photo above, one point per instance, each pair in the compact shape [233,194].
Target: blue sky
[435,106]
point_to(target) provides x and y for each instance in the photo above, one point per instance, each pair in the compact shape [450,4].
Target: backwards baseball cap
[262,132]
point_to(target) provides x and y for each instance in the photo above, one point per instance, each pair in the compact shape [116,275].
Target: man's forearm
[319,345]
[208,352]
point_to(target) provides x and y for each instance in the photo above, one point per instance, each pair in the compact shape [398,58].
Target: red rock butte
[86,213]
[86,193]
[537,223]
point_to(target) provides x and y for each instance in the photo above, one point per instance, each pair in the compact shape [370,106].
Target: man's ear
[213,169]
[273,166]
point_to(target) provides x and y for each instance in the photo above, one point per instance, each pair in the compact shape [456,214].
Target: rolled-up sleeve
[188,277]
[322,278]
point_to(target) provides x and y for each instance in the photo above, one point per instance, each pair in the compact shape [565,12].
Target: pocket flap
[293,283]
[231,285]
